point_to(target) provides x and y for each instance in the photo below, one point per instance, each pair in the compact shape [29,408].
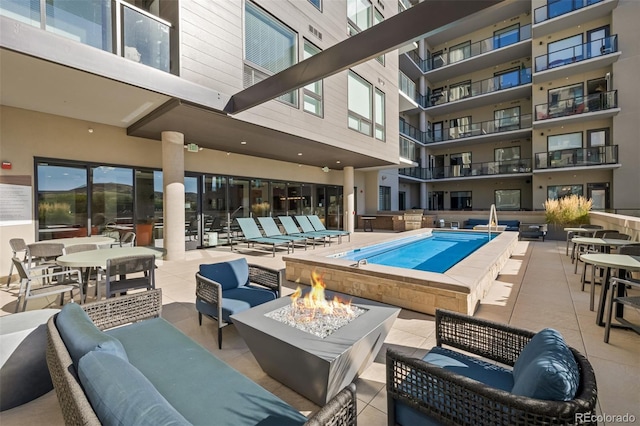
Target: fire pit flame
[315,314]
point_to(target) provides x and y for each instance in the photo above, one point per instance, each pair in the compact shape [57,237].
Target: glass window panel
[279,199]
[87,22]
[507,199]
[461,200]
[316,3]
[459,91]
[507,119]
[148,208]
[359,13]
[260,206]
[506,36]
[359,96]
[312,93]
[377,18]
[384,198]
[598,137]
[379,115]
[565,51]
[21,10]
[268,43]
[506,154]
[112,197]
[460,52]
[566,141]
[145,40]
[555,192]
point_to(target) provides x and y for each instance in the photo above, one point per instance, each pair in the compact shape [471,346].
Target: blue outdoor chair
[226,288]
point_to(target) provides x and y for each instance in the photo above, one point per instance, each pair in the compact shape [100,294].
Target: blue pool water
[435,253]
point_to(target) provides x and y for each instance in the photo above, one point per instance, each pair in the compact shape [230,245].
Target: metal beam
[393,33]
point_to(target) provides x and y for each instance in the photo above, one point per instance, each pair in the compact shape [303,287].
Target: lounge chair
[306,226]
[291,228]
[319,226]
[253,236]
[271,230]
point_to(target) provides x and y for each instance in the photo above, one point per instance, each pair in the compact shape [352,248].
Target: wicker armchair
[226,288]
[451,398]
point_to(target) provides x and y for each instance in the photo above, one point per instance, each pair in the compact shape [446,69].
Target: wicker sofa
[451,387]
[163,377]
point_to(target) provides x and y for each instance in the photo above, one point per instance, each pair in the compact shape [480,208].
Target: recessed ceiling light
[243,142]
[299,153]
[338,162]
[228,153]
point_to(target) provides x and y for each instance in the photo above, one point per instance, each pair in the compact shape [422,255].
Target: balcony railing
[478,48]
[559,8]
[490,168]
[576,157]
[408,87]
[415,133]
[577,53]
[482,128]
[577,105]
[409,149]
[463,91]
[142,38]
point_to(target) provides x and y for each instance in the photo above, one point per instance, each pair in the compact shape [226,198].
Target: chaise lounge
[144,371]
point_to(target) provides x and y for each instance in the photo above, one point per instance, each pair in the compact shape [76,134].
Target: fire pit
[313,352]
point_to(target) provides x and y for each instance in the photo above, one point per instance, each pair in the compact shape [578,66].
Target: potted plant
[571,211]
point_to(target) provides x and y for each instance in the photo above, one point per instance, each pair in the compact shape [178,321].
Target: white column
[173,184]
[424,204]
[349,199]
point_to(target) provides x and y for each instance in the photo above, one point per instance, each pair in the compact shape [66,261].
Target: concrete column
[173,184]
[349,199]
[424,204]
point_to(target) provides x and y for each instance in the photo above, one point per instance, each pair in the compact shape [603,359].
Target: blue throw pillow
[231,274]
[546,369]
[121,395]
[80,335]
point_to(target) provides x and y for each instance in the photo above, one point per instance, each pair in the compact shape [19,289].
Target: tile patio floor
[536,289]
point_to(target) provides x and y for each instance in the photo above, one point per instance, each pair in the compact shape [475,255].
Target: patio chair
[291,228]
[252,236]
[319,226]
[87,273]
[42,256]
[117,281]
[127,240]
[271,229]
[53,283]
[308,228]
[631,301]
[17,246]
[227,288]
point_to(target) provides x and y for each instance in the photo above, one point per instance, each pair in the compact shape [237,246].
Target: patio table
[621,262]
[99,240]
[580,232]
[98,258]
[605,243]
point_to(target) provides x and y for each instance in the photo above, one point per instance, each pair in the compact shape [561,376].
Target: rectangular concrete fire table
[317,368]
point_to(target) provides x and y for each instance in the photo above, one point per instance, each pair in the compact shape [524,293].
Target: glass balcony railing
[559,8]
[460,53]
[490,168]
[143,37]
[408,87]
[463,91]
[576,157]
[415,133]
[463,130]
[578,53]
[577,105]
[409,149]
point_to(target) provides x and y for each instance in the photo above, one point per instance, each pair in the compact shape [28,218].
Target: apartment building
[529,101]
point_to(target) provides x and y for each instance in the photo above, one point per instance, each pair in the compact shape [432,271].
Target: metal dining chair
[87,273]
[17,246]
[42,256]
[119,269]
[127,240]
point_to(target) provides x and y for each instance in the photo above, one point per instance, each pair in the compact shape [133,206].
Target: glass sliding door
[192,228]
[149,226]
[279,198]
[214,209]
[111,198]
[61,201]
[260,206]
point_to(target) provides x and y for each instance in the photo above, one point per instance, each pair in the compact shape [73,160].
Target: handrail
[577,105]
[493,219]
[483,128]
[488,168]
[575,157]
[578,53]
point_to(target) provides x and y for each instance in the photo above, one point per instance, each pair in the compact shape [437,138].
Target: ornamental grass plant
[571,210]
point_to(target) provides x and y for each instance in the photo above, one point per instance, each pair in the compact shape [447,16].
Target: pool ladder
[359,263]
[493,219]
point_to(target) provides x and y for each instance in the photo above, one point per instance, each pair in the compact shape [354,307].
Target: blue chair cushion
[80,335]
[236,300]
[231,274]
[121,395]
[546,369]
[474,368]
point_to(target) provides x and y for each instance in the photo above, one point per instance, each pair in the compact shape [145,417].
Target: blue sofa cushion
[231,274]
[490,374]
[236,300]
[120,395]
[80,335]
[546,369]
[196,383]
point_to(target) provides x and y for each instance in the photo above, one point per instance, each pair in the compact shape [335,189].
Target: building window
[379,115]
[461,200]
[384,198]
[566,141]
[507,199]
[506,36]
[460,127]
[555,192]
[377,18]
[506,154]
[507,119]
[460,91]
[312,93]
[565,51]
[316,3]
[460,52]
[460,164]
[269,47]
[359,102]
[359,15]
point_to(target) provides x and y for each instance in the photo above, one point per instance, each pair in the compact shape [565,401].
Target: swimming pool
[436,252]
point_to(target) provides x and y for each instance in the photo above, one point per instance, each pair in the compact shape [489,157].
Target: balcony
[577,157]
[113,26]
[581,58]
[505,87]
[485,131]
[408,130]
[482,54]
[577,109]
[490,168]
[564,14]
[409,150]
[409,97]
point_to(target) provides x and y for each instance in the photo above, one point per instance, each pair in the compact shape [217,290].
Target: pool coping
[460,288]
